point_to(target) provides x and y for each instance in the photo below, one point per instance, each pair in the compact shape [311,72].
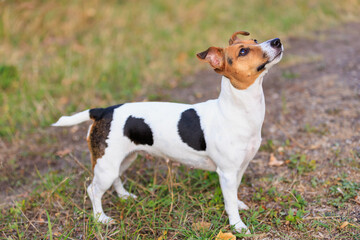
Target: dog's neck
[249,102]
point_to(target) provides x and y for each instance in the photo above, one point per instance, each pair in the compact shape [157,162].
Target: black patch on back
[100,131]
[229,60]
[138,131]
[190,131]
[99,113]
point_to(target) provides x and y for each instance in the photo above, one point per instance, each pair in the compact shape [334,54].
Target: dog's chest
[253,147]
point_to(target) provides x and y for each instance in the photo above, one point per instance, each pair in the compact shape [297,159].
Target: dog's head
[243,60]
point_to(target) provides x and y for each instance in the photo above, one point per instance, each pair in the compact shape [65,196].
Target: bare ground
[312,109]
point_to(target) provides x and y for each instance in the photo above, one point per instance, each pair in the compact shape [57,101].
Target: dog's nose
[275,43]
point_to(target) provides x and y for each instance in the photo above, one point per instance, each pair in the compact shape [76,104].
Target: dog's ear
[234,37]
[214,56]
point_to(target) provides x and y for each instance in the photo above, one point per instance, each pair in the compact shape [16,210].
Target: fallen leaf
[357,199]
[281,150]
[163,236]
[201,226]
[62,153]
[340,191]
[225,236]
[40,219]
[274,162]
[344,224]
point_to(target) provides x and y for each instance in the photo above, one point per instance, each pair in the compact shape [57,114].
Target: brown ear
[214,56]
[235,38]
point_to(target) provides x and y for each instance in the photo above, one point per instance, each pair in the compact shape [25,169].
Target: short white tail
[72,120]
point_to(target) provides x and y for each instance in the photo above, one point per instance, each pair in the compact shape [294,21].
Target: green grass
[170,201]
[58,57]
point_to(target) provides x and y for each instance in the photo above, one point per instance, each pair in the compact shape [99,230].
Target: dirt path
[313,109]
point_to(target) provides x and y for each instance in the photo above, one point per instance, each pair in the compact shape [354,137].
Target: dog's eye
[243,52]
[255,40]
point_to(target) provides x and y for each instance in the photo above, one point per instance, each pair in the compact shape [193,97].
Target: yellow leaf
[274,162]
[201,226]
[225,236]
[63,153]
[163,236]
[344,224]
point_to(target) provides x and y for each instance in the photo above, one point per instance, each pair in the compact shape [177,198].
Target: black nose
[275,43]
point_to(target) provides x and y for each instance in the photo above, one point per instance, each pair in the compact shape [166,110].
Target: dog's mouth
[278,55]
[263,66]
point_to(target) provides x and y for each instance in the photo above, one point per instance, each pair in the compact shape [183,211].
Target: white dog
[221,135]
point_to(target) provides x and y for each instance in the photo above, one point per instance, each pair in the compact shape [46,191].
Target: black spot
[190,131]
[138,131]
[262,66]
[99,113]
[229,60]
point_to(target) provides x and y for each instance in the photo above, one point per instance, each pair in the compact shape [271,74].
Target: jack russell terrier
[221,135]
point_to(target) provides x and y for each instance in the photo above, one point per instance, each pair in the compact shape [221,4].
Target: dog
[221,135]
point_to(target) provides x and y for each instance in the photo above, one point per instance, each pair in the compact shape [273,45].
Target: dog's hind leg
[105,173]
[118,185]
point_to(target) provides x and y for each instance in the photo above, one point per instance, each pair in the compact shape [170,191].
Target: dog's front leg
[228,183]
[241,204]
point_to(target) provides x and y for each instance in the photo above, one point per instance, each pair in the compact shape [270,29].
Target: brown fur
[97,139]
[241,70]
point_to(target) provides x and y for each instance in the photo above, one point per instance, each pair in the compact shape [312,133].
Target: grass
[171,201]
[58,57]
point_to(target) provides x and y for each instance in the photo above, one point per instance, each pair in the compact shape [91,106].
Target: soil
[312,108]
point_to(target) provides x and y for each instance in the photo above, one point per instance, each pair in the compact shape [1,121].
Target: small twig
[29,221]
[85,196]
[293,182]
[293,196]
[80,164]
[168,163]
[52,192]
[354,200]
[313,218]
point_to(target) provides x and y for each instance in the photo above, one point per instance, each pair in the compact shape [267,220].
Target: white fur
[72,120]
[232,130]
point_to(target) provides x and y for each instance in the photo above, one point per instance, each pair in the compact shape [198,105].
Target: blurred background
[58,57]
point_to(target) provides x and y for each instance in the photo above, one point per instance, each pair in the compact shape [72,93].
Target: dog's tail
[73,120]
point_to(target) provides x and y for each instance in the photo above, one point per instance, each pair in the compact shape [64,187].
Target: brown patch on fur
[97,139]
[243,71]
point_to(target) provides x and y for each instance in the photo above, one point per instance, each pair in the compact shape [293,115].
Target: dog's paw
[102,218]
[242,205]
[240,227]
[126,195]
